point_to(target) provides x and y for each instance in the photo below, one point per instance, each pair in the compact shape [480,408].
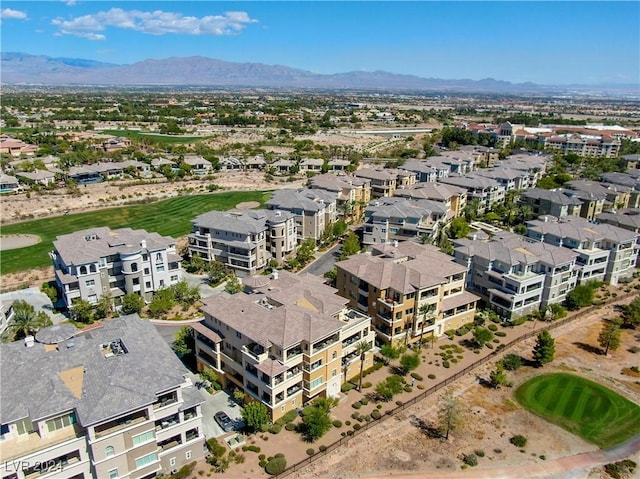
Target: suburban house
[314,210]
[311,164]
[388,219]
[113,402]
[199,166]
[605,252]
[412,292]
[97,262]
[515,275]
[244,240]
[231,163]
[353,193]
[337,165]
[39,177]
[551,202]
[9,184]
[284,341]
[453,197]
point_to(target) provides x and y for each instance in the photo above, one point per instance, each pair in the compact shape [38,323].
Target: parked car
[224,421]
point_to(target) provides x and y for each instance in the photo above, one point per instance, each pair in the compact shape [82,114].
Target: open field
[169,217]
[582,407]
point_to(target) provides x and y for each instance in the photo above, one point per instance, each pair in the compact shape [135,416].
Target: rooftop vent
[113,348]
[29,341]
[274,275]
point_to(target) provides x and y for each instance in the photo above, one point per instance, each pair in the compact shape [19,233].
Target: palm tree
[425,309]
[25,321]
[362,348]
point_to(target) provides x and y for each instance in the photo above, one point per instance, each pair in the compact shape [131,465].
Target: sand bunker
[17,241]
[247,205]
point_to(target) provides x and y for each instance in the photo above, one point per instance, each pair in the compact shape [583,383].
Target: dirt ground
[403,444]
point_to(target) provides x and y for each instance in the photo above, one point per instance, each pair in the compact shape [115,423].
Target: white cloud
[70,3]
[8,13]
[156,22]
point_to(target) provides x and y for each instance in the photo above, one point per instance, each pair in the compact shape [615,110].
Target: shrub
[492,327]
[518,440]
[262,457]
[288,417]
[366,385]
[251,448]
[346,387]
[431,376]
[364,401]
[519,321]
[470,459]
[408,389]
[375,414]
[263,463]
[356,405]
[355,415]
[356,427]
[276,465]
[479,452]
[275,428]
[290,426]
[501,334]
[445,364]
[322,448]
[399,403]
[310,452]
[337,423]
[416,376]
[512,362]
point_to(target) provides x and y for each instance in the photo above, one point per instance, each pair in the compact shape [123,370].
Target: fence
[427,392]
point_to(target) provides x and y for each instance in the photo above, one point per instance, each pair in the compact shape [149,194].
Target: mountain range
[22,68]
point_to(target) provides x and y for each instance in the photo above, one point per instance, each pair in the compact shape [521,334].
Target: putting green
[582,407]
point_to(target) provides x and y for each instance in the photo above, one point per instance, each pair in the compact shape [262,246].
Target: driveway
[324,263]
[220,401]
[200,280]
[35,298]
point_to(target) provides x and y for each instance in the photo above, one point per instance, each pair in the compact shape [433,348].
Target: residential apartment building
[97,262]
[510,179]
[605,252]
[244,240]
[515,275]
[411,291]
[383,182]
[627,218]
[630,180]
[284,341]
[353,193]
[388,219]
[615,196]
[551,202]
[584,145]
[425,173]
[486,191]
[313,209]
[453,197]
[113,402]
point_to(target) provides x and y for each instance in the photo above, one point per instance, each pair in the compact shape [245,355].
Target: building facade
[284,341]
[99,262]
[413,292]
[111,403]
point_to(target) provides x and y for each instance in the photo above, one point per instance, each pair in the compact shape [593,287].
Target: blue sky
[545,42]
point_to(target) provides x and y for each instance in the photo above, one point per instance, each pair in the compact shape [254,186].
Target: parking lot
[35,298]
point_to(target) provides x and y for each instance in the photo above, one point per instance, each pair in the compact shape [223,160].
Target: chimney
[143,244]
[395,243]
[274,275]
[29,341]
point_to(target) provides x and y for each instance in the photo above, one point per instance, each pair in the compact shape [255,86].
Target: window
[238,334]
[316,382]
[174,277]
[162,283]
[109,451]
[172,461]
[316,364]
[151,458]
[147,271]
[160,267]
[145,257]
[91,282]
[134,267]
[60,422]
[187,455]
[158,256]
[147,285]
[334,355]
[144,438]
[113,473]
[334,373]
[293,402]
[136,281]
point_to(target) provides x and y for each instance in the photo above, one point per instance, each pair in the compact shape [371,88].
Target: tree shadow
[485,383]
[588,348]
[425,427]
[397,370]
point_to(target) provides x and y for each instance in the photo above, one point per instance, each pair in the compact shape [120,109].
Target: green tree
[104,307]
[184,343]
[427,311]
[450,413]
[216,273]
[233,285]
[82,311]
[132,303]
[339,228]
[195,264]
[409,362]
[51,291]
[185,294]
[162,301]
[390,387]
[362,348]
[631,314]
[389,352]
[582,295]
[350,245]
[512,362]
[316,418]
[609,337]
[25,321]
[498,376]
[255,416]
[482,336]
[306,251]
[459,228]
[545,348]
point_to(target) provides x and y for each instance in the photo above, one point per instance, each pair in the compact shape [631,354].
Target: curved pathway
[548,468]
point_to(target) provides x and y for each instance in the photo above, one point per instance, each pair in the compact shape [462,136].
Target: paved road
[35,298]
[324,263]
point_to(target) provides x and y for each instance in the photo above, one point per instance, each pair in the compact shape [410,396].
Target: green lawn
[582,407]
[170,217]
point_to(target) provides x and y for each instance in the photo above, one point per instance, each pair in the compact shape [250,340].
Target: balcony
[170,443]
[319,346]
[385,317]
[294,389]
[166,400]
[255,351]
[19,447]
[352,340]
[293,352]
[166,422]
[120,424]
[58,464]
